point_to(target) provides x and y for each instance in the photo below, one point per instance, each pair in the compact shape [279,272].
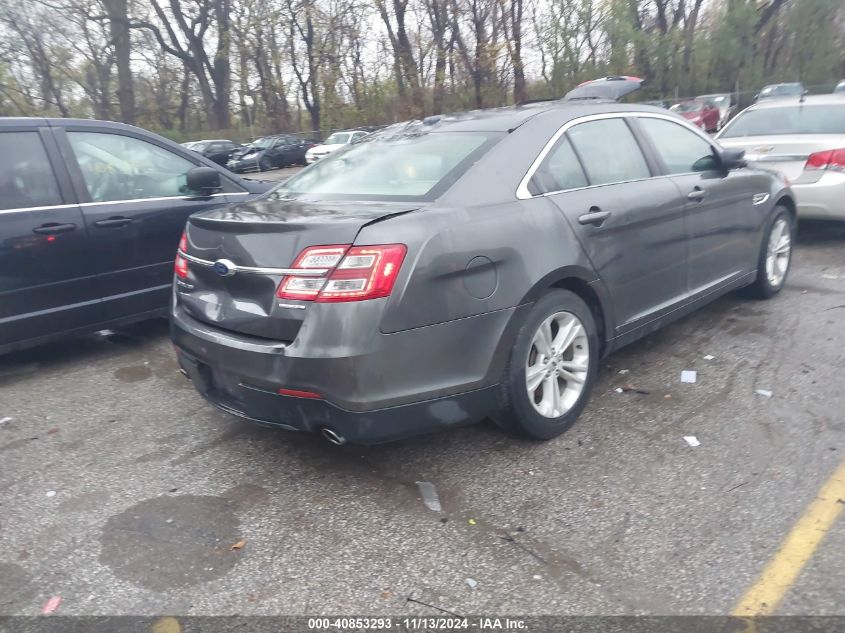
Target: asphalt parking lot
[122,492]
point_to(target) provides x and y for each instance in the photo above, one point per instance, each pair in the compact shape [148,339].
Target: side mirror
[732,158]
[204,181]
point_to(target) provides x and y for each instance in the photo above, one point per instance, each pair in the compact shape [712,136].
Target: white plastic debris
[538,577]
[692,440]
[429,496]
[4,420]
[764,392]
[688,375]
[104,333]
[472,583]
[709,357]
[51,493]
[624,371]
[827,276]
[619,390]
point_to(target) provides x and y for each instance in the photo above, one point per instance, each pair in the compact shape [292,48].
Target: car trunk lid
[263,234]
[787,154]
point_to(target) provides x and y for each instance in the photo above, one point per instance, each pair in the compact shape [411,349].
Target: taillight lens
[181,265]
[828,159]
[358,273]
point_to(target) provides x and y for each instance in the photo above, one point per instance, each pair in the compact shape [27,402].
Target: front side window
[788,119]
[117,167]
[401,166]
[608,151]
[26,177]
[682,150]
[560,170]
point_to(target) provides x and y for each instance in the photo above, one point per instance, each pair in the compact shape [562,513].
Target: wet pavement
[123,492]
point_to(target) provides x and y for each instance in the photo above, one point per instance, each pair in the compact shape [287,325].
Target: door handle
[51,228]
[697,194]
[115,222]
[596,217]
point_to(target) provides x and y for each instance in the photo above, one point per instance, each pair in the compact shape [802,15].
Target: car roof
[808,100]
[508,118]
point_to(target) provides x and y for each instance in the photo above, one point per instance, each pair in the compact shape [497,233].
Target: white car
[804,139]
[332,144]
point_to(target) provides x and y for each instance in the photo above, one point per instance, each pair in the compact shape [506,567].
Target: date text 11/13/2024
[417,624]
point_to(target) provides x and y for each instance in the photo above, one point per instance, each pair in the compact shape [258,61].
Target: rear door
[719,205]
[630,223]
[135,206]
[47,279]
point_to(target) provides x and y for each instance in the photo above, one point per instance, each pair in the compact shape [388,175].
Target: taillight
[828,159]
[358,273]
[180,267]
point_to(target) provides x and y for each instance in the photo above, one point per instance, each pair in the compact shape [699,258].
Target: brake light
[180,267]
[358,273]
[828,159]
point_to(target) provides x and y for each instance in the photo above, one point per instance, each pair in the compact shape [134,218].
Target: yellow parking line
[797,548]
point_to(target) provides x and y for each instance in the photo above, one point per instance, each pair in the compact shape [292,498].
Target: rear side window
[790,119]
[681,150]
[117,167]
[26,177]
[608,151]
[560,170]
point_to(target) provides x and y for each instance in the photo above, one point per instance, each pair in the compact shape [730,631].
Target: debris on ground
[538,577]
[709,357]
[444,520]
[239,545]
[623,371]
[471,521]
[429,496]
[692,440]
[668,396]
[688,375]
[764,392]
[4,420]
[632,389]
[472,583]
[53,431]
[51,605]
[827,276]
[618,390]
[51,493]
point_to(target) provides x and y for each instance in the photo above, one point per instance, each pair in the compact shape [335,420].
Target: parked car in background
[216,150]
[775,91]
[334,143]
[840,87]
[270,152]
[698,112]
[723,103]
[90,214]
[659,103]
[804,140]
[469,265]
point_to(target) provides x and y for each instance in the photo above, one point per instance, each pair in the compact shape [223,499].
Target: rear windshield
[793,119]
[338,139]
[397,166]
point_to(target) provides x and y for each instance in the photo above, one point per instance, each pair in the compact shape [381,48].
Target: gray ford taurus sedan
[469,266]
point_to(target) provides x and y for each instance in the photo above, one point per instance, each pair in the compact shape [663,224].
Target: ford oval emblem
[224,268]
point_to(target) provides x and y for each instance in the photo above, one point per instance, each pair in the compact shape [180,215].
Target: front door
[717,203]
[137,208]
[47,278]
[630,224]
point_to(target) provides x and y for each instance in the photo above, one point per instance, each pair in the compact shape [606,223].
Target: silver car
[804,139]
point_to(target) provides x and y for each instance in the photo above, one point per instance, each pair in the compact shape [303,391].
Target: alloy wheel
[557,364]
[778,252]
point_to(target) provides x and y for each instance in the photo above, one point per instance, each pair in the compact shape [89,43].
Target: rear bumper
[824,199]
[397,385]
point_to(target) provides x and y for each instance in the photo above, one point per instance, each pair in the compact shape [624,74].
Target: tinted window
[117,167]
[682,150]
[409,166]
[26,178]
[608,151]
[559,171]
[791,119]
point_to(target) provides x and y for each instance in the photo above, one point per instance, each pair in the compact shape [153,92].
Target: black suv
[90,216]
[270,152]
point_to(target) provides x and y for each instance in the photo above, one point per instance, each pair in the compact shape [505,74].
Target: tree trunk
[119,30]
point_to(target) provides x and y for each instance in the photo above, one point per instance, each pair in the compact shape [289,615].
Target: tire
[265,164]
[520,412]
[770,281]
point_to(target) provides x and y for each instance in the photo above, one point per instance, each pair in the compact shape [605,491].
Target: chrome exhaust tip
[331,436]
